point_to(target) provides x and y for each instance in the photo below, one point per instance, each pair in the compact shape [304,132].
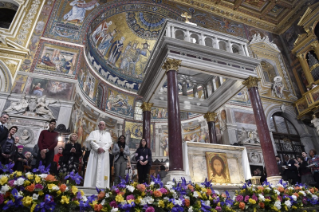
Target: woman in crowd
[121,152]
[8,146]
[19,159]
[71,155]
[57,156]
[143,156]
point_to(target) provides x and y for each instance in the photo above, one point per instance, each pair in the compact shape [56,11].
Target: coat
[116,152]
[98,168]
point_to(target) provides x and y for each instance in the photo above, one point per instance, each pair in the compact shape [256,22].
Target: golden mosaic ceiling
[271,15]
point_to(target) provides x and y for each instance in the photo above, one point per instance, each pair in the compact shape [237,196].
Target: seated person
[19,160]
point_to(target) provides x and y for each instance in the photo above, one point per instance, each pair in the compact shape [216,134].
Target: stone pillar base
[177,175]
[274,179]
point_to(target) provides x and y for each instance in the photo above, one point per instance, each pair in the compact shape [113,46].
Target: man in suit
[292,170]
[304,155]
[279,164]
[3,130]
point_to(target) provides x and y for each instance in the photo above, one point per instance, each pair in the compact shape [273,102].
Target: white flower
[4,189]
[253,189]
[178,202]
[302,193]
[308,192]
[130,188]
[272,186]
[186,197]
[288,203]
[290,188]
[149,200]
[114,209]
[294,197]
[279,185]
[143,202]
[20,194]
[27,174]
[190,209]
[107,195]
[267,188]
[43,175]
[278,204]
[166,198]
[195,194]
[19,181]
[261,197]
[152,183]
[103,202]
[277,192]
[315,197]
[169,187]
[84,198]
[216,192]
[35,196]
[55,188]
[200,185]
[170,183]
[207,202]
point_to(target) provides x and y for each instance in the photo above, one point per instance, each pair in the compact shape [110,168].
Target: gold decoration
[210,117]
[146,106]
[251,82]
[186,16]
[171,64]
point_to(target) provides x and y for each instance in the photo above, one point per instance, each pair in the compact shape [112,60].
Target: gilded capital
[315,44]
[210,116]
[146,106]
[171,64]
[251,82]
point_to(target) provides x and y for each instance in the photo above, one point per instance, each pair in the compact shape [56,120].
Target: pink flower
[239,198]
[11,183]
[1,199]
[150,209]
[38,186]
[218,208]
[131,196]
[304,200]
[268,198]
[278,197]
[163,190]
[113,204]
[246,198]
[254,197]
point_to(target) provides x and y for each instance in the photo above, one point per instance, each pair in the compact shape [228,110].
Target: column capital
[146,106]
[251,82]
[210,116]
[315,44]
[171,64]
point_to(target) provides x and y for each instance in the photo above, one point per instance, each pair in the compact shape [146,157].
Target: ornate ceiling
[271,15]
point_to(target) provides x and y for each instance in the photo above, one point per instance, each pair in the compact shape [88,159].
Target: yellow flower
[77,202]
[74,189]
[30,176]
[294,207]
[170,205]
[33,207]
[27,182]
[204,190]
[3,180]
[138,200]
[143,194]
[40,193]
[251,201]
[82,193]
[267,200]
[161,204]
[50,186]
[27,201]
[130,201]
[37,179]
[94,203]
[19,174]
[65,200]
[119,198]
[58,192]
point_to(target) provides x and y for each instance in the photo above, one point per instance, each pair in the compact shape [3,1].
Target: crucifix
[186,16]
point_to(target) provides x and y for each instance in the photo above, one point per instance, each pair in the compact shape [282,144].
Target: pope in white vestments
[98,168]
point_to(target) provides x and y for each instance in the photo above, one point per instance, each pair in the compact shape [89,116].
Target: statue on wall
[18,107]
[25,135]
[315,122]
[43,109]
[248,136]
[277,87]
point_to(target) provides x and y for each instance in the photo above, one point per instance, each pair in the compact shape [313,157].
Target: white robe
[98,168]
[77,13]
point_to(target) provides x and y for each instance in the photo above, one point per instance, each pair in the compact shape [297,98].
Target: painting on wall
[133,133]
[244,118]
[49,88]
[57,59]
[217,167]
[120,103]
[19,83]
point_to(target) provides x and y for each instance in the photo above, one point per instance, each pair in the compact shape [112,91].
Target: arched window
[138,112]
[287,139]
[7,13]
[222,45]
[209,42]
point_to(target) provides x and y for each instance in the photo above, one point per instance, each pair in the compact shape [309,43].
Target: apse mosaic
[88,83]
[120,103]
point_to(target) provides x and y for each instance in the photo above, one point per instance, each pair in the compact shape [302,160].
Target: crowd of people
[98,151]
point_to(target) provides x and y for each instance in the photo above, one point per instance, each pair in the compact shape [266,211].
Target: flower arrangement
[280,197]
[40,191]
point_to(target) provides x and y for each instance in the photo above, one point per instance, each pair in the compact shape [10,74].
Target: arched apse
[5,78]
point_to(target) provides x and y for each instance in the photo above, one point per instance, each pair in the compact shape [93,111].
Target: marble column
[211,119]
[174,122]
[146,107]
[305,68]
[263,131]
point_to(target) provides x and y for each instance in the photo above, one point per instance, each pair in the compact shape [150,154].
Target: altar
[197,159]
